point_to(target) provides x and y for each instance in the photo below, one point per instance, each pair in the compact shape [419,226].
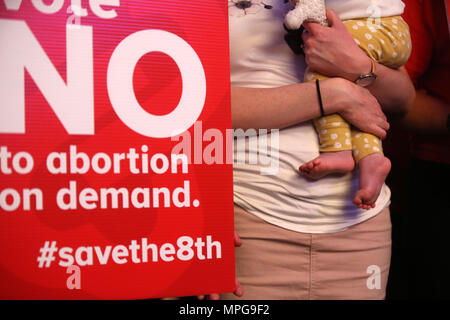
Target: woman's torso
[261,58]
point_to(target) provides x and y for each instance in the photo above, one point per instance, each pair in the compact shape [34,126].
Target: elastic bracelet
[320,98]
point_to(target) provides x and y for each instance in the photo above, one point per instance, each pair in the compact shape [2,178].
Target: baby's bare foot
[374,169]
[328,162]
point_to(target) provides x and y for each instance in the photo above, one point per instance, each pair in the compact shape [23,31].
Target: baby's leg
[373,166]
[335,144]
[387,41]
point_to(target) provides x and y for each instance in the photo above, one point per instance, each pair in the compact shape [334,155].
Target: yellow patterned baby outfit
[385,40]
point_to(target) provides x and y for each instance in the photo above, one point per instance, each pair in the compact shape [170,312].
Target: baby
[385,38]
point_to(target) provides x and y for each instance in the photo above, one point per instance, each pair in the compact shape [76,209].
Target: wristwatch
[365,80]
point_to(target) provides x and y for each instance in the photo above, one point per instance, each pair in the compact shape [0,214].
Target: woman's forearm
[428,115]
[393,89]
[273,108]
[281,107]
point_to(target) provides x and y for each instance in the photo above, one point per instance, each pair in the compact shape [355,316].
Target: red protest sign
[114,178]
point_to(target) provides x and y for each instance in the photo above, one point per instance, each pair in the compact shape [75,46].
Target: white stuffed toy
[306,10]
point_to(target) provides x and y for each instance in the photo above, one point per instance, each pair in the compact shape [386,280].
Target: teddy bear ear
[294,40]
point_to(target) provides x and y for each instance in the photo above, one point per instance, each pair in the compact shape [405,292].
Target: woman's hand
[355,104]
[332,51]
[238,288]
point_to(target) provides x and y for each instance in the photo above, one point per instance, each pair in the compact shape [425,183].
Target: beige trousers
[276,263]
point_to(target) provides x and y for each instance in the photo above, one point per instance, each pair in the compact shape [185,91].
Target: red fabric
[447,4]
[429,66]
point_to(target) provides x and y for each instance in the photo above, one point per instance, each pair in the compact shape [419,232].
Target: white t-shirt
[351,9]
[260,58]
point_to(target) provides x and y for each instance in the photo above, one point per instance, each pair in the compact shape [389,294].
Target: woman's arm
[428,115]
[332,51]
[277,108]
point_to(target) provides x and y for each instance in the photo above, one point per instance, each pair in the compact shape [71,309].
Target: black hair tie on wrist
[322,113]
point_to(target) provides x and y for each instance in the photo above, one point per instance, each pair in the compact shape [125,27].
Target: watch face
[366,80]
